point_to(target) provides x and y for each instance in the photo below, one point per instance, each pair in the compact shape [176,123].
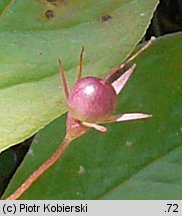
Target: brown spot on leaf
[106,18]
[49,14]
[55,2]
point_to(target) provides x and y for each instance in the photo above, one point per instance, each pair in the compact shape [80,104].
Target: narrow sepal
[119,84]
[127,117]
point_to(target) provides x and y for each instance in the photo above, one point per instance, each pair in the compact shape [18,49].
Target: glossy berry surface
[91,100]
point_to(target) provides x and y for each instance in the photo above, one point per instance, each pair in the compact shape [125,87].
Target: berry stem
[36,174]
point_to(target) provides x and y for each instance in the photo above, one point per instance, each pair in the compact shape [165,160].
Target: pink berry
[92,100]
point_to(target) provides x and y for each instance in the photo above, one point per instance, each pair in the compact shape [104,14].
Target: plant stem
[37,173]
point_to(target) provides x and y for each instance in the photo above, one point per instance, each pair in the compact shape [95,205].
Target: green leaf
[138,159]
[161,179]
[34,34]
